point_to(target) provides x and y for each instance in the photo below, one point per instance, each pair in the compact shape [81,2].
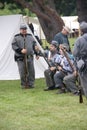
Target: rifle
[80,90]
[78,79]
[25,65]
[54,64]
[43,55]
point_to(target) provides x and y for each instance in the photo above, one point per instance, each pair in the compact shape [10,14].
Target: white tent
[71,22]
[9,26]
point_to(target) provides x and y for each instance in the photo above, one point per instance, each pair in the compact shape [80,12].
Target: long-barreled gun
[78,79]
[25,65]
[54,64]
[43,55]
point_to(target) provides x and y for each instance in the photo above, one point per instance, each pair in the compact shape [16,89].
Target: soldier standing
[24,45]
[80,54]
[62,37]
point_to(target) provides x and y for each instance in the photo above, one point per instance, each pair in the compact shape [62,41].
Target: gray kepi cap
[23,26]
[83,25]
[55,43]
[66,46]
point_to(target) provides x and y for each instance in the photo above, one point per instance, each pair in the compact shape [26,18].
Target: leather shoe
[27,87]
[76,93]
[49,88]
[31,87]
[61,91]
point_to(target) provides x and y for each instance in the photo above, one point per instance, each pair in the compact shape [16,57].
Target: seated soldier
[70,81]
[49,73]
[63,69]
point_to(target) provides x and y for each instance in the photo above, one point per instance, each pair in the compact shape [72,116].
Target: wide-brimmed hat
[66,28]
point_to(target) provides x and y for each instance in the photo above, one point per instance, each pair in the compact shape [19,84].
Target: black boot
[49,88]
[62,89]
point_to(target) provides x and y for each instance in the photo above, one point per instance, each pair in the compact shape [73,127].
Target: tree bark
[49,19]
[82,10]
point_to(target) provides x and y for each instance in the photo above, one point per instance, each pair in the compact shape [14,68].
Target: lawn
[35,109]
[71,40]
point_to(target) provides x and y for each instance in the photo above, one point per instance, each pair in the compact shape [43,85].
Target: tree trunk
[82,10]
[49,19]
[51,26]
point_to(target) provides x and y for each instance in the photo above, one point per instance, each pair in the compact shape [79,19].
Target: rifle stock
[78,79]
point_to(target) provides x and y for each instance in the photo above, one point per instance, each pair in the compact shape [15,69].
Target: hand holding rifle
[37,50]
[24,51]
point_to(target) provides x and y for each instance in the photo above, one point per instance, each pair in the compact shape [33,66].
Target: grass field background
[71,40]
[35,109]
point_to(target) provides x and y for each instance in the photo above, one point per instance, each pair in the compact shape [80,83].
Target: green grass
[71,40]
[35,109]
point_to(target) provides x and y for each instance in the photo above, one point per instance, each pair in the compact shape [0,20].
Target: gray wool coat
[80,51]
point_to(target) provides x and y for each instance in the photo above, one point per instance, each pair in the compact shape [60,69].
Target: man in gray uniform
[24,46]
[80,54]
[49,73]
